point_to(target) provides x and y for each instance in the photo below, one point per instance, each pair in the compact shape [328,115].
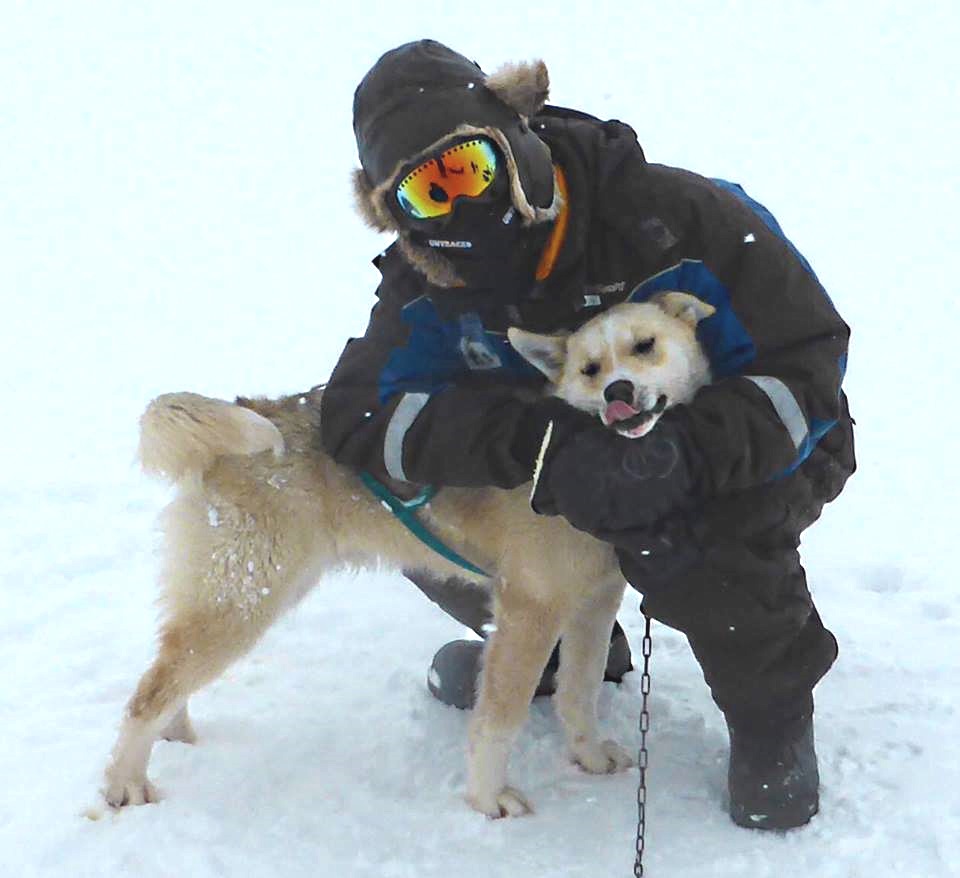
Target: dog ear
[546,352]
[524,87]
[684,306]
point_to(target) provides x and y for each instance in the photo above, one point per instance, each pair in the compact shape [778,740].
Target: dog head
[628,364]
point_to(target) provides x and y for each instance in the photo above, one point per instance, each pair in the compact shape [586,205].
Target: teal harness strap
[406,512]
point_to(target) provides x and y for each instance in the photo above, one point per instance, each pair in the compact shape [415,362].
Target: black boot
[773,778]
[455,669]
[619,659]
[455,673]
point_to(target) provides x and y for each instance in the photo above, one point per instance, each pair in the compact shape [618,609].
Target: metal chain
[646,650]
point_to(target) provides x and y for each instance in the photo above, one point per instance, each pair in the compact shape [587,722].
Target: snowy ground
[175,215]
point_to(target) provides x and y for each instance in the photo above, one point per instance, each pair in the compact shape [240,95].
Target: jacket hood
[596,157]
[422,94]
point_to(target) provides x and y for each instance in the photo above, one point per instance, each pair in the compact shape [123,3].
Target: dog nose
[619,390]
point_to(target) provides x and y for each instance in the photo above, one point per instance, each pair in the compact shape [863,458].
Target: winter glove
[604,483]
[532,427]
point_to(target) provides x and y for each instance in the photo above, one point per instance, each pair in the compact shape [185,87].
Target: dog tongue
[618,411]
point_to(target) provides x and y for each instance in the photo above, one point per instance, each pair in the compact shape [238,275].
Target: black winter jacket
[428,395]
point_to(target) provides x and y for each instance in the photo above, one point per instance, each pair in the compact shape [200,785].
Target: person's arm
[761,425]
[740,432]
[408,411]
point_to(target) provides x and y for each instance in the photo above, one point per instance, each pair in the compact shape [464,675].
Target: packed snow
[176,215]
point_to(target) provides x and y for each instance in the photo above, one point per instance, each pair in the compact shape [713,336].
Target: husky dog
[261,514]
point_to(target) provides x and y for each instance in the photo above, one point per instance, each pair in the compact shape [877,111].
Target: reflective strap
[786,406]
[403,417]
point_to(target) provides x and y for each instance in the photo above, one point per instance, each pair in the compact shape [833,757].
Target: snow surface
[176,215]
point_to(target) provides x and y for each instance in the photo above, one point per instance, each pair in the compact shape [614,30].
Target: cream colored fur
[524,86]
[675,367]
[261,515]
[182,433]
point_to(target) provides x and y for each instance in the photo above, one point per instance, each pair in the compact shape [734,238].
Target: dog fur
[261,515]
[648,351]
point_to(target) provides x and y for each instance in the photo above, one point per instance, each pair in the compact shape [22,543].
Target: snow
[176,215]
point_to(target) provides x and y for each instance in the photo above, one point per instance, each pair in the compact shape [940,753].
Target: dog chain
[646,650]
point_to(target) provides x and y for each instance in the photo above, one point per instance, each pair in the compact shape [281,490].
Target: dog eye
[644,346]
[590,369]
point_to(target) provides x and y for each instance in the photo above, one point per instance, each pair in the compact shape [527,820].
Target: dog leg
[180,728]
[583,657]
[514,658]
[195,648]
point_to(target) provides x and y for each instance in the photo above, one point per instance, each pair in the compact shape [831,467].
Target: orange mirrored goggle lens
[466,169]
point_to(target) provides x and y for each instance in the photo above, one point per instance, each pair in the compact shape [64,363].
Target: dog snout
[621,390]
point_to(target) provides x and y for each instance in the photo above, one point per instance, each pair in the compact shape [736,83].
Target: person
[510,212]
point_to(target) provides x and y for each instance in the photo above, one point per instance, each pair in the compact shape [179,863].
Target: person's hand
[532,428]
[604,483]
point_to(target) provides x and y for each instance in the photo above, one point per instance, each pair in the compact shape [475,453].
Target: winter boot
[455,670]
[455,673]
[773,777]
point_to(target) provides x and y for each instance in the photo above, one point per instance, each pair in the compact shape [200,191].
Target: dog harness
[406,513]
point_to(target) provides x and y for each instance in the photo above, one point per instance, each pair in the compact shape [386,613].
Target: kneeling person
[511,213]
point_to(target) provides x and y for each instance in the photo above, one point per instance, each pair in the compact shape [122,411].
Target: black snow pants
[752,625]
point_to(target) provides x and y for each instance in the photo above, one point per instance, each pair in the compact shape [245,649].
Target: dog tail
[182,434]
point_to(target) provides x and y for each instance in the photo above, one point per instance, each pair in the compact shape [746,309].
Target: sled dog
[261,514]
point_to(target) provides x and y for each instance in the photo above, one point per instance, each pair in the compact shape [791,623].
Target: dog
[261,514]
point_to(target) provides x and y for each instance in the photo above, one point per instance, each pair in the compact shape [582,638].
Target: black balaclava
[413,101]
[493,252]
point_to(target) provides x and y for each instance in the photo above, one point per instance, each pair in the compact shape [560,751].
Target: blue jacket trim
[770,221]
[818,429]
[727,343]
[437,351]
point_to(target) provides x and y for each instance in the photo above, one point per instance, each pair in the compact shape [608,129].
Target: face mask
[457,203]
[491,250]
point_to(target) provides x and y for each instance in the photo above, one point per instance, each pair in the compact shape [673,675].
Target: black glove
[532,427]
[604,483]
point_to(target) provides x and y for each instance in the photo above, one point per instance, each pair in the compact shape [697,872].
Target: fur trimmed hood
[421,95]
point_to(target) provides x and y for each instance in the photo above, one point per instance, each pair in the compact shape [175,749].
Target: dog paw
[506,803]
[119,793]
[601,757]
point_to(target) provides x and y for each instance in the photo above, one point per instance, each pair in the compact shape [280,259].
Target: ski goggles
[465,170]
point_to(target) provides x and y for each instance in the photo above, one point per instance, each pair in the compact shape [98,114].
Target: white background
[175,213]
